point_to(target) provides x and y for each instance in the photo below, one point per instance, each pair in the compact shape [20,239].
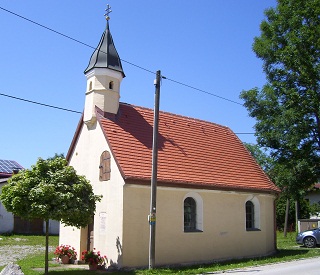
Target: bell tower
[104,75]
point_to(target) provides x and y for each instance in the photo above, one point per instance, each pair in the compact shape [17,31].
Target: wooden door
[90,237]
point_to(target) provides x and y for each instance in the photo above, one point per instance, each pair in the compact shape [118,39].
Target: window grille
[249,215]
[190,221]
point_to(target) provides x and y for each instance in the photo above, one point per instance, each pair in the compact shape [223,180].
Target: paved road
[300,267]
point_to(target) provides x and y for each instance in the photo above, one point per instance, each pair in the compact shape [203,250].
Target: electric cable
[68,110]
[42,104]
[125,61]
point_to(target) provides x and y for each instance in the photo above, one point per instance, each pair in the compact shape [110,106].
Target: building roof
[7,168]
[191,152]
[105,55]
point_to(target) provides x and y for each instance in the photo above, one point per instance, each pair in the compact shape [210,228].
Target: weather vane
[108,11]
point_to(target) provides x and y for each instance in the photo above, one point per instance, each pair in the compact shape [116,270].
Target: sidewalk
[64,266]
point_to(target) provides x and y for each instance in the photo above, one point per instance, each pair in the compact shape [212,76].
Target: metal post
[153,200]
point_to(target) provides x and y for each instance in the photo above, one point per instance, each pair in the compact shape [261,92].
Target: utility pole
[153,200]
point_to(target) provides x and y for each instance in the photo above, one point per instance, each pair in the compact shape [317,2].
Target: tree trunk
[286,218]
[46,269]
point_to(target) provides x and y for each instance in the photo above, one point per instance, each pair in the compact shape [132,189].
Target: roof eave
[74,139]
[176,184]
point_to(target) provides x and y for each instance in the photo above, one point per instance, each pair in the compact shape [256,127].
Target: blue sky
[205,44]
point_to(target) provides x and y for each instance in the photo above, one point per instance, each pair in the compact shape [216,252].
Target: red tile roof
[191,152]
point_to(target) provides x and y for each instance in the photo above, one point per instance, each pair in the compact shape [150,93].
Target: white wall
[223,232]
[108,219]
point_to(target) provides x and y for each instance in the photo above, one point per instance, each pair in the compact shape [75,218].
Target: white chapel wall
[223,233]
[108,217]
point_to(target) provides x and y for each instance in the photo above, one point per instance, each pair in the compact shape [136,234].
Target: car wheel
[309,242]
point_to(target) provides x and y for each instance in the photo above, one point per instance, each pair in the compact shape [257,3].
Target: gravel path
[12,253]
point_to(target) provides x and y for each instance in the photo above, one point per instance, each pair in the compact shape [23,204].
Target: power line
[68,110]
[203,91]
[125,61]
[42,104]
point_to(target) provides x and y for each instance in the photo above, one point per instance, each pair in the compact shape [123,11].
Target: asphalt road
[300,267]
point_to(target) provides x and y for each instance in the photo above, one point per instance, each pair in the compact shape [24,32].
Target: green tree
[281,212]
[50,190]
[261,156]
[278,173]
[287,108]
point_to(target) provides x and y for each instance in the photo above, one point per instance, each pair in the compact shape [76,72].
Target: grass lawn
[287,250]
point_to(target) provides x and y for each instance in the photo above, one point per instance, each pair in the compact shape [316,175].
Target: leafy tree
[287,108]
[50,190]
[304,210]
[261,156]
[279,174]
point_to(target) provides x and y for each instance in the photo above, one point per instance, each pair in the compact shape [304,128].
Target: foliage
[277,173]
[94,257]
[50,190]
[287,108]
[67,250]
[261,156]
[304,212]
[315,209]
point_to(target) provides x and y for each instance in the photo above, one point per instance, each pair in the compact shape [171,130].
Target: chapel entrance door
[90,237]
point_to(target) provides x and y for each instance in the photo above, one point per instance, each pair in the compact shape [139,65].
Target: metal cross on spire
[108,11]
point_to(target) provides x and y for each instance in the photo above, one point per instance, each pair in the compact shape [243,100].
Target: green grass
[287,250]
[28,240]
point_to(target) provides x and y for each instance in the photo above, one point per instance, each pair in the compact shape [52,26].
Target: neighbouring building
[313,197]
[214,202]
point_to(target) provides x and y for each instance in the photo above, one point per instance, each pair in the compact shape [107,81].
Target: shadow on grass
[87,272]
[282,253]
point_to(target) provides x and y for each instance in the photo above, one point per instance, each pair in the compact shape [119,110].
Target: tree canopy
[261,156]
[287,108]
[50,190]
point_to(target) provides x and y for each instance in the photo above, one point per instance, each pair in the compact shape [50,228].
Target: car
[309,238]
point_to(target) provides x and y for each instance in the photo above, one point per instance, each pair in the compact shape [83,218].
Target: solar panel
[8,166]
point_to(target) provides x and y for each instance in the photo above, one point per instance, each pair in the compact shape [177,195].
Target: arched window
[250,215]
[190,212]
[111,85]
[90,86]
[104,167]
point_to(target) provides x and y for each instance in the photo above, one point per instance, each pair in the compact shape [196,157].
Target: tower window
[90,86]
[111,85]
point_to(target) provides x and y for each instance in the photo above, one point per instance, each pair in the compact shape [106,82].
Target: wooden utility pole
[153,200]
[286,218]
